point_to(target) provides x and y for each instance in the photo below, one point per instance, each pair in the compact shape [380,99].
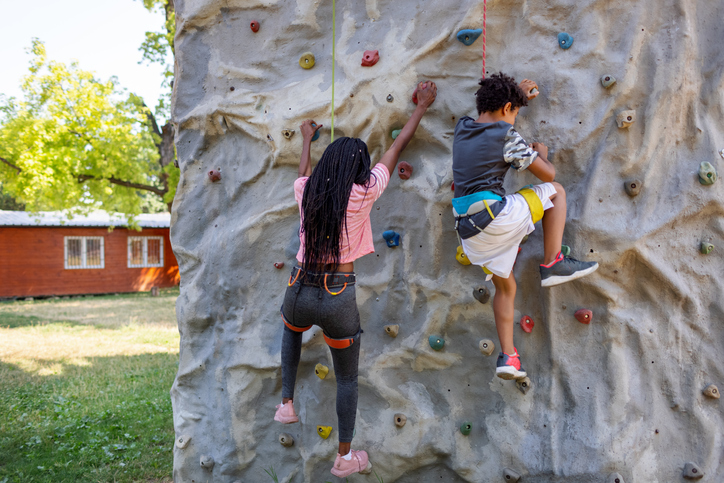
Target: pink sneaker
[285,413]
[360,463]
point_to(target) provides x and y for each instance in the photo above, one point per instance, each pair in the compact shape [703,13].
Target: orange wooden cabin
[48,254]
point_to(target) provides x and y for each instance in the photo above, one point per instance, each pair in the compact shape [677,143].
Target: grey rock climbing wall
[622,394]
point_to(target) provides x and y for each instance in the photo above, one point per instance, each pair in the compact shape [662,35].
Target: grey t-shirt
[484,152]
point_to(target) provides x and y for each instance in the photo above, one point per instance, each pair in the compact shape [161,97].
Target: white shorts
[496,247]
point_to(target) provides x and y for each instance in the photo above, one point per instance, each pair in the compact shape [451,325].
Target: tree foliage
[158,47]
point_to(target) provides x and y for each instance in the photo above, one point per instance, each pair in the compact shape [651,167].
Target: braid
[324,204]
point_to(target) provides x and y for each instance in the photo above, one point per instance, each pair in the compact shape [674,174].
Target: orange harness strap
[338,343]
[327,289]
[295,328]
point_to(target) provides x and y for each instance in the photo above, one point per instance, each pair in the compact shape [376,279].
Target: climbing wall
[621,396]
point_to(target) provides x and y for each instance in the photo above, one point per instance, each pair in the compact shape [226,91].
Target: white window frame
[145,263]
[83,248]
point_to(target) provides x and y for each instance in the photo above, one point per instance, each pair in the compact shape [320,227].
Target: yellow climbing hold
[324,431]
[306,61]
[321,370]
[460,257]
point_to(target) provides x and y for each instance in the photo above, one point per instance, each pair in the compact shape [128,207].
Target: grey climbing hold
[608,80]
[523,385]
[615,478]
[633,187]
[487,347]
[721,153]
[692,471]
[706,248]
[468,36]
[390,98]
[182,441]
[533,91]
[625,118]
[511,475]
[286,439]
[207,462]
[711,391]
[707,173]
[400,420]
[392,330]
[565,40]
[481,294]
[288,133]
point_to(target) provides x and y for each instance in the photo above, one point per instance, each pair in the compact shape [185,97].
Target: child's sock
[348,457]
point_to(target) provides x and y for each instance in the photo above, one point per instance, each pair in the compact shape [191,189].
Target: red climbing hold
[214,175]
[279,265]
[370,58]
[254,26]
[526,323]
[452,186]
[404,170]
[414,94]
[584,316]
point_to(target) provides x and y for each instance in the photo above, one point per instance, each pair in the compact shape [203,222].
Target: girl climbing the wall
[335,201]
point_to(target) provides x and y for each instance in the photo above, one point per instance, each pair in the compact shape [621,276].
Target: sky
[102,35]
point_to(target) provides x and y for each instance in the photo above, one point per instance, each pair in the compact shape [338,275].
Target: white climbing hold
[182,441]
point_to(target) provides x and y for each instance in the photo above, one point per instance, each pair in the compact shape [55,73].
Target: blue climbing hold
[392,238]
[468,36]
[436,342]
[316,133]
[565,40]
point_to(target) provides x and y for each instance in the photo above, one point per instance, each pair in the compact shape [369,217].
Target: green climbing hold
[706,248]
[565,250]
[395,133]
[565,40]
[466,427]
[707,173]
[468,36]
[436,342]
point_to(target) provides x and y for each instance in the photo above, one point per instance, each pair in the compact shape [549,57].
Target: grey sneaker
[565,269]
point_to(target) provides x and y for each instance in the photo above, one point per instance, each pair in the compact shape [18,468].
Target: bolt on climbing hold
[392,238]
[565,250]
[390,98]
[706,248]
[460,256]
[692,471]
[584,316]
[279,265]
[486,347]
[214,175]
[254,26]
[523,385]
[436,342]
[511,475]
[321,370]
[370,58]
[288,133]
[607,80]
[707,173]
[633,187]
[527,324]
[625,118]
[286,439]
[711,391]
[182,441]
[400,420]
[615,478]
[468,36]
[481,294]
[466,427]
[324,431]
[392,330]
[565,40]
[395,132]
[306,61]
[207,462]
[404,170]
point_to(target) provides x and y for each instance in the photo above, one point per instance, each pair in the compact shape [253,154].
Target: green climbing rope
[334,41]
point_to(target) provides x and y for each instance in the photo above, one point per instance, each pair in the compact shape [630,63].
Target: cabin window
[145,251]
[84,252]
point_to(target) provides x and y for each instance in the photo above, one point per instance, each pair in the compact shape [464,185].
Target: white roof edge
[96,218]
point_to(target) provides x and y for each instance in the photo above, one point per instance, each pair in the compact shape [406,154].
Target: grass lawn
[84,388]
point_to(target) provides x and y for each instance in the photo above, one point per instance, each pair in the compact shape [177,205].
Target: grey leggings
[308,302]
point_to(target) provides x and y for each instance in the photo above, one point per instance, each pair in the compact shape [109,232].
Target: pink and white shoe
[359,463]
[285,413]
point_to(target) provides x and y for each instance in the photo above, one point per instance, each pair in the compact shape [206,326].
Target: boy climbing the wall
[490,224]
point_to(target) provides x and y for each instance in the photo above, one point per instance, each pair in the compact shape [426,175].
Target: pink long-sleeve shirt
[359,228]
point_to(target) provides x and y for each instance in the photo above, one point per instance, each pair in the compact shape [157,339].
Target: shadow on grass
[13,321]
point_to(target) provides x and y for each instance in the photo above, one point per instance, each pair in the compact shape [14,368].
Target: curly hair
[497,90]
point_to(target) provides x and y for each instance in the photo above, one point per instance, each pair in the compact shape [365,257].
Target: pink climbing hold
[404,170]
[584,316]
[254,26]
[370,58]
[527,324]
[214,175]
[279,265]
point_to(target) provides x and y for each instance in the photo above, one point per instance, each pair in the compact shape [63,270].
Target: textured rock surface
[599,391]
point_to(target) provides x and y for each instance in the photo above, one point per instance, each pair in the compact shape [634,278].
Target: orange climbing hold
[254,26]
[527,324]
[584,316]
[404,170]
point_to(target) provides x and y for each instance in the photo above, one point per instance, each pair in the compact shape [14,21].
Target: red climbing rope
[485,21]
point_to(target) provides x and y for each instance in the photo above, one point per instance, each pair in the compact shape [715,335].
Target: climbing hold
[706,248]
[466,427]
[370,58]
[392,238]
[565,40]
[288,133]
[533,91]
[584,316]
[400,420]
[711,391]
[707,173]
[511,475]
[390,98]
[460,256]
[414,94]
[279,265]
[615,478]
[608,80]
[436,342]
[525,239]
[321,370]
[286,439]
[395,133]
[306,61]
[633,187]
[324,431]
[527,324]
[316,133]
[182,441]
[207,462]
[404,170]
[565,250]
[254,26]
[486,347]
[523,385]
[625,118]
[481,294]
[392,330]
[214,175]
[692,471]
[468,36]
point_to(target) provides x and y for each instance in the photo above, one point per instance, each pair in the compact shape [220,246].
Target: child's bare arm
[541,168]
[308,129]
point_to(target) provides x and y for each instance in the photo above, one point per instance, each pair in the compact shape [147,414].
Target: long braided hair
[324,205]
